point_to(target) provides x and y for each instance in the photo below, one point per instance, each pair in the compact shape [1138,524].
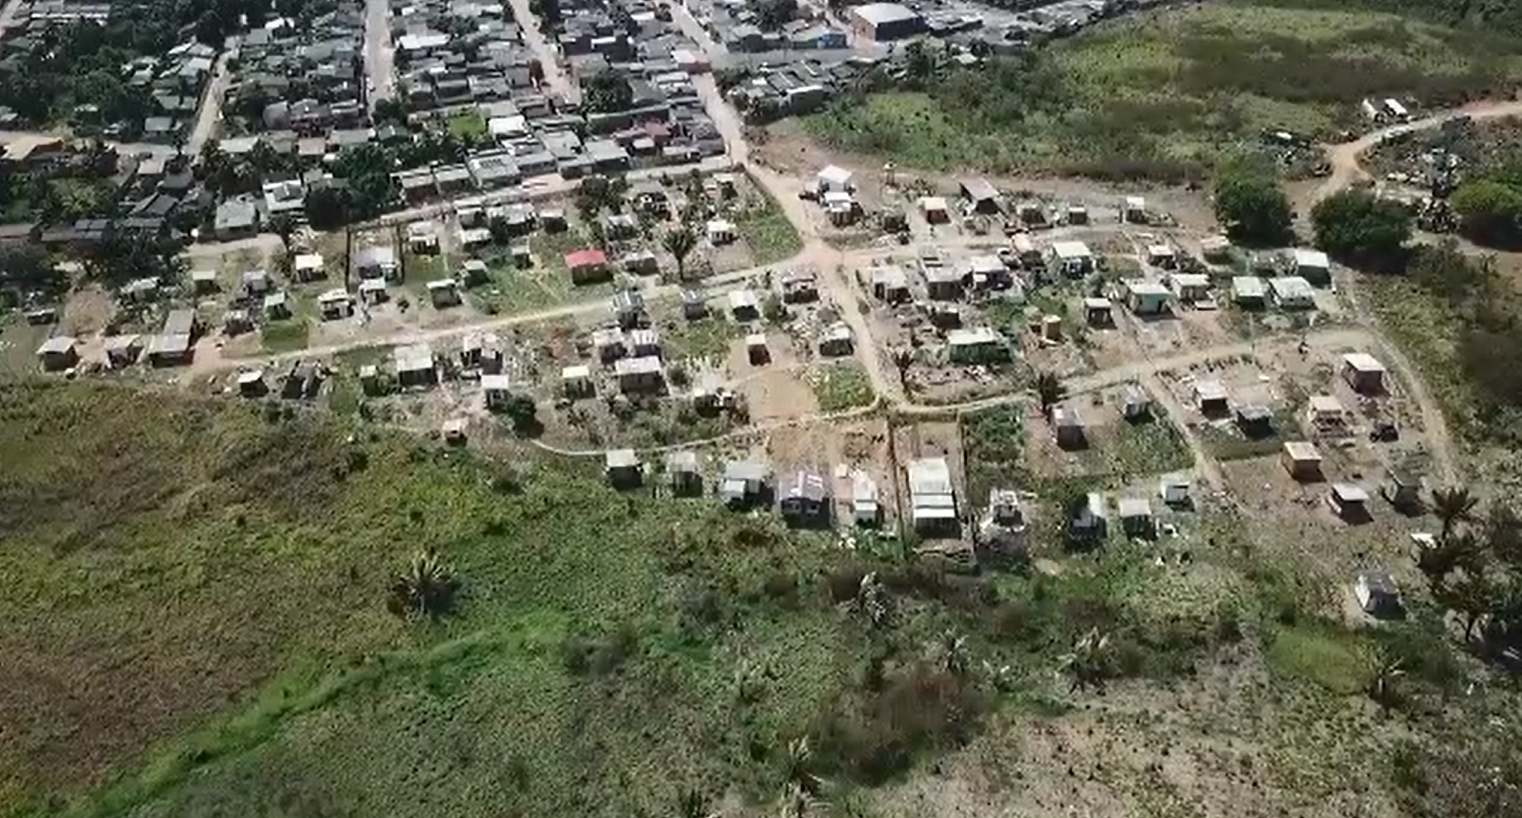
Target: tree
[1086,664]
[903,358]
[953,653]
[679,243]
[26,270]
[548,11]
[1252,208]
[329,207]
[596,193]
[426,589]
[607,91]
[520,410]
[1384,673]
[125,255]
[774,14]
[1452,505]
[1359,228]
[1049,390]
[1442,559]
[284,226]
[798,767]
[1472,596]
[919,62]
[1490,212]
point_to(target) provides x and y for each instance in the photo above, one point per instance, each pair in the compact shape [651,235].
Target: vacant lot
[1163,93]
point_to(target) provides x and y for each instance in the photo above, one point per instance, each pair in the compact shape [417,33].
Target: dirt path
[211,103]
[753,429]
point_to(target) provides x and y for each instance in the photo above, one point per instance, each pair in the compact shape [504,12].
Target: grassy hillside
[1160,93]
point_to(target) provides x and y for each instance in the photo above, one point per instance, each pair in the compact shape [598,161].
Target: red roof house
[587,265]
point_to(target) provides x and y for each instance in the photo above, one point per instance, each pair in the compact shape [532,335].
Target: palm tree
[1086,662]
[1473,596]
[798,763]
[1437,562]
[872,601]
[953,653]
[284,226]
[796,802]
[1049,390]
[692,803]
[1453,505]
[1385,672]
[426,589]
[680,242]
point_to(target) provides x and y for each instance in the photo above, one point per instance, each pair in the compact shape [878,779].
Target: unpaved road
[533,36]
[211,103]
[380,55]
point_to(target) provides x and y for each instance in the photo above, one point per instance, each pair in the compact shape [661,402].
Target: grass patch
[1140,449]
[468,126]
[1225,441]
[546,284]
[1335,659]
[768,233]
[289,335]
[842,386]
[1169,93]
[993,446]
[707,339]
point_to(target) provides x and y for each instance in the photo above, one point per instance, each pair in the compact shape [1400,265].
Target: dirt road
[380,65]
[211,103]
[548,56]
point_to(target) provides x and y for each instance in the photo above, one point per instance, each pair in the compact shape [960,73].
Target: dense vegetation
[1168,94]
[1363,230]
[80,64]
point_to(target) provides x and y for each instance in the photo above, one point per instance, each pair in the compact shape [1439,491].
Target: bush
[1360,229]
[917,709]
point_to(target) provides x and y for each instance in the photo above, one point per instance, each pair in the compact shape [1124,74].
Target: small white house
[1313,266]
[307,267]
[721,231]
[1364,373]
[833,178]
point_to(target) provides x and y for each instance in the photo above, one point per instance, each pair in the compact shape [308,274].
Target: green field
[1166,94]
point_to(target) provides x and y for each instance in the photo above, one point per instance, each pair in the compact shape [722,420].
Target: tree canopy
[1361,229]
[1490,212]
[607,91]
[1252,208]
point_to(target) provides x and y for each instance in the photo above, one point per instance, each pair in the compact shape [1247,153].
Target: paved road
[380,55]
[549,56]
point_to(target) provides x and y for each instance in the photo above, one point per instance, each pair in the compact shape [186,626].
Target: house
[122,350]
[745,483]
[866,511]
[622,468]
[744,305]
[936,210]
[1174,491]
[721,232]
[1216,249]
[836,340]
[1313,266]
[890,284]
[806,499]
[453,431]
[1249,292]
[58,353]
[1003,529]
[576,381]
[980,195]
[942,283]
[978,345]
[1134,210]
[1326,412]
[1292,293]
[277,306]
[377,263]
[1147,297]
[1349,502]
[932,498]
[1098,312]
[175,344]
[1211,398]
[255,283]
[415,365]
[1302,461]
[609,344]
[799,287]
[644,341]
[1068,427]
[443,293]
[1255,420]
[884,22]
[1162,255]
[1377,594]
[628,308]
[587,266]
[335,304]
[236,219]
[756,350]
[1136,517]
[307,267]
[1364,373]
[473,271]
[643,375]
[833,179]
[423,238]
[1403,488]
[683,473]
[251,383]
[1088,519]
[203,282]
[237,322]
[372,291]
[1191,287]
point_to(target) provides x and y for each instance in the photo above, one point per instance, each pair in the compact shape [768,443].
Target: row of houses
[307,79]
